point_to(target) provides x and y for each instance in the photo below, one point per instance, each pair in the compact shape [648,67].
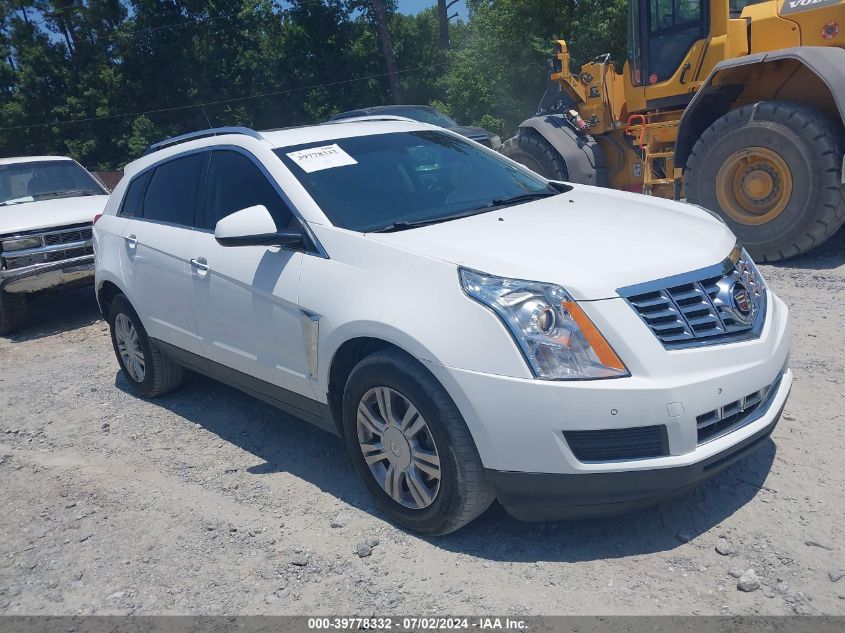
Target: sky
[412,7]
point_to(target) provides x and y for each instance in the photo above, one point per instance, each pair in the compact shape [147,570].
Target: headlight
[557,339]
[20,243]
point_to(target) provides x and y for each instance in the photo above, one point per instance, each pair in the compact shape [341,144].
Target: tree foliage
[101,79]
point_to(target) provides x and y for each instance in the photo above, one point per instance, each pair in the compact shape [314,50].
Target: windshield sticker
[319,158]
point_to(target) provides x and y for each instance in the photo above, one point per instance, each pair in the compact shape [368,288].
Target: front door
[246,297]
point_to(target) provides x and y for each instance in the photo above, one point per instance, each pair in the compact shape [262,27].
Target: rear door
[246,297]
[161,210]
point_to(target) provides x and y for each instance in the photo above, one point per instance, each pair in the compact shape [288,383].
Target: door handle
[200,264]
[131,241]
[683,79]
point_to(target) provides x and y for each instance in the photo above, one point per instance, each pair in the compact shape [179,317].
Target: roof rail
[192,136]
[370,117]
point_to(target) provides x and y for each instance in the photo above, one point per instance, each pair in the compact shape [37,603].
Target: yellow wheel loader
[735,106]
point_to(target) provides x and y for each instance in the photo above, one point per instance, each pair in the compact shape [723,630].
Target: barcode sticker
[319,158]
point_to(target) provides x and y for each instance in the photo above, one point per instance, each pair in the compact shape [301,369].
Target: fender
[583,157]
[715,97]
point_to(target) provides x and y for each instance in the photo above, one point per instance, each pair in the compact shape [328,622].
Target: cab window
[673,27]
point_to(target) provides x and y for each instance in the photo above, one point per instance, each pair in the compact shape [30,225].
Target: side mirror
[254,226]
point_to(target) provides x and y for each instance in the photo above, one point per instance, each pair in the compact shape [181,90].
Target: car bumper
[73,272]
[555,497]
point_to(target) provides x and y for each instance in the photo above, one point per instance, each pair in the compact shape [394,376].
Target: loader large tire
[529,148]
[773,171]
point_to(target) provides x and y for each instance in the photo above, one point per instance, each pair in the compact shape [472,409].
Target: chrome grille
[700,308]
[55,245]
[68,235]
[735,414]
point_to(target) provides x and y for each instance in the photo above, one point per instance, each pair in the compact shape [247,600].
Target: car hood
[47,214]
[470,132]
[591,241]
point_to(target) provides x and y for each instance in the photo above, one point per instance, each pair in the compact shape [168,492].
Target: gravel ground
[207,501]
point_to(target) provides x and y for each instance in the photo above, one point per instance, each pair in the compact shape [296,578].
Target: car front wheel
[411,447]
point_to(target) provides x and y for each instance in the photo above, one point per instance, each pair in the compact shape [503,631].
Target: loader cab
[666,41]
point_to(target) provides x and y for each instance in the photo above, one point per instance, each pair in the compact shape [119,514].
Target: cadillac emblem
[741,301]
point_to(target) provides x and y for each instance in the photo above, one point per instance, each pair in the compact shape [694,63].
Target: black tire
[529,148]
[161,374]
[809,143]
[14,312]
[465,491]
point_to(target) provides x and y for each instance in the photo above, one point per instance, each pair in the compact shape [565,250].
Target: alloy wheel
[398,447]
[129,347]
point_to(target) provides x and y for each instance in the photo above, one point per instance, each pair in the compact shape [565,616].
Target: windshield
[39,180]
[377,182]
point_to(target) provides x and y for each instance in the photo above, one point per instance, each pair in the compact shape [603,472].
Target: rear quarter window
[134,197]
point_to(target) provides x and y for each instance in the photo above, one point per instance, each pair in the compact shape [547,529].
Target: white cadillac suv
[472,330]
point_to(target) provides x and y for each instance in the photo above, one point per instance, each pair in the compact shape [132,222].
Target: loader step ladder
[656,140]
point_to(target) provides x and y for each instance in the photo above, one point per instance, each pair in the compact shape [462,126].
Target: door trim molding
[290,402]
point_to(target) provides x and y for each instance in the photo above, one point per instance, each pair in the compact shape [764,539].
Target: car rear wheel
[146,368]
[411,447]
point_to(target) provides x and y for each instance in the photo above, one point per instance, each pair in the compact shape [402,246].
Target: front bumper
[73,272]
[555,497]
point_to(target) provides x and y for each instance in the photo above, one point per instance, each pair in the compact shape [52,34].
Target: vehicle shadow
[284,444]
[829,255]
[57,312]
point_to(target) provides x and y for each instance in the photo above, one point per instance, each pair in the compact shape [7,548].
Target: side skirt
[297,405]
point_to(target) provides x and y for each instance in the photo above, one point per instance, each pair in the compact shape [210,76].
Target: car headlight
[20,243]
[556,337]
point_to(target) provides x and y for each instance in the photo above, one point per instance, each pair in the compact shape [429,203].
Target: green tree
[498,69]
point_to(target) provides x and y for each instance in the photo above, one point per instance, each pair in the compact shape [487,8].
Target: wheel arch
[345,357]
[812,75]
[106,292]
[584,159]
[349,353]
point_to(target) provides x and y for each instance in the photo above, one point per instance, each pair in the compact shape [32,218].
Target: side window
[234,183]
[172,192]
[131,205]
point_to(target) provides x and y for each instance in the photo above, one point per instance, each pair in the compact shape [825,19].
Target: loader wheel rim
[754,185]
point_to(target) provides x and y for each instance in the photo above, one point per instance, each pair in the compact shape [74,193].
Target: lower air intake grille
[735,414]
[608,445]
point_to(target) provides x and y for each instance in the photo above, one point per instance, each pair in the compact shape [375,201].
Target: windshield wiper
[8,203]
[522,197]
[65,192]
[404,225]
[498,202]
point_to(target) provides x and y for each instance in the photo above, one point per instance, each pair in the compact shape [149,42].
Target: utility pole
[443,19]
